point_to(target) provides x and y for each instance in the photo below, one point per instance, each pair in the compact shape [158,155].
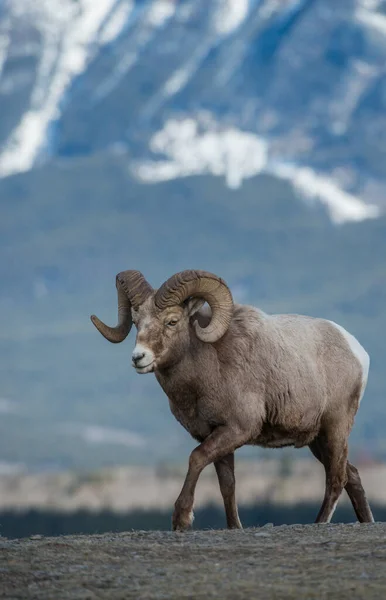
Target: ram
[235,375]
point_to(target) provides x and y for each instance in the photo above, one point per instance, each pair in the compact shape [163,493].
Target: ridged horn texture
[203,285]
[133,290]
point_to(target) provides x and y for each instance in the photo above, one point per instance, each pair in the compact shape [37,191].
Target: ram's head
[164,317]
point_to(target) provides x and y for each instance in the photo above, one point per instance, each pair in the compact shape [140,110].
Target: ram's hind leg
[225,469]
[331,449]
[353,486]
[357,495]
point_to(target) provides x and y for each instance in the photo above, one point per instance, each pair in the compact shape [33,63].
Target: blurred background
[243,137]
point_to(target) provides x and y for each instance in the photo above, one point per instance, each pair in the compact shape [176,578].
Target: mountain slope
[304,76]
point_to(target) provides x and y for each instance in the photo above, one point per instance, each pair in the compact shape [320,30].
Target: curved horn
[203,285]
[133,290]
[136,287]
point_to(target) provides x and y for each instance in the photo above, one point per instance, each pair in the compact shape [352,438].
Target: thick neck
[189,372]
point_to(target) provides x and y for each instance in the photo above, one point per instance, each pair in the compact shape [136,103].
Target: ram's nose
[137,356]
[143,359]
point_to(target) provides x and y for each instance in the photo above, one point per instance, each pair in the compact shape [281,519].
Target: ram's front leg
[221,442]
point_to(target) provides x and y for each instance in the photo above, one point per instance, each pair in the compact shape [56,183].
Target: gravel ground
[286,562]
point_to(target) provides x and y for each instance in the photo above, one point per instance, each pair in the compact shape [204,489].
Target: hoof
[182,521]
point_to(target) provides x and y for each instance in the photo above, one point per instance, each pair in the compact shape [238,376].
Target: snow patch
[116,22]
[177,81]
[68,30]
[200,146]
[370,4]
[229,15]
[372,18]
[225,151]
[155,17]
[180,77]
[341,205]
[350,91]
[160,11]
[121,69]
[185,11]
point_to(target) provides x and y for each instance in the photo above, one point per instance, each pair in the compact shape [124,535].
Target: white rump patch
[358,351]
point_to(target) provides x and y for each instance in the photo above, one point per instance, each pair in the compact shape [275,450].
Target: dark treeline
[51,523]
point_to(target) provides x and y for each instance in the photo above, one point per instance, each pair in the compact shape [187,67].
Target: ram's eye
[172,322]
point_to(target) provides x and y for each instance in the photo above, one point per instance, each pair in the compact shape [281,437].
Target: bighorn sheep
[235,375]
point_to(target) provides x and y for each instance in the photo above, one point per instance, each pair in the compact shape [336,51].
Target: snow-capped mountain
[294,88]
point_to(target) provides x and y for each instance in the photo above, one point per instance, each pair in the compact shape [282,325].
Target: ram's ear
[193,305]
